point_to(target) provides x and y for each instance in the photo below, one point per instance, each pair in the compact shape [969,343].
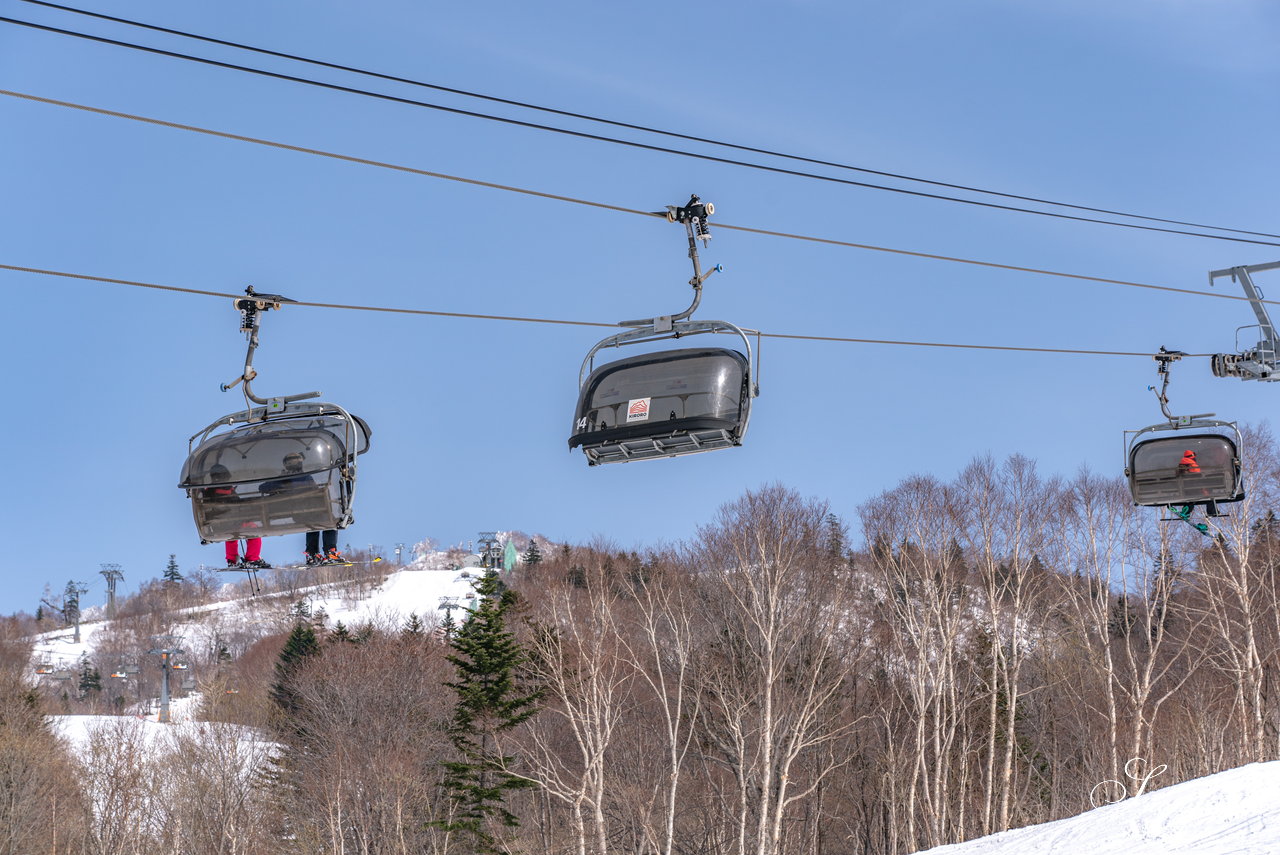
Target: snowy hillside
[409,591]
[1236,812]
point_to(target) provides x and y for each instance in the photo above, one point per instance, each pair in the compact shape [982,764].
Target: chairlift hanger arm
[694,216]
[249,308]
[1164,359]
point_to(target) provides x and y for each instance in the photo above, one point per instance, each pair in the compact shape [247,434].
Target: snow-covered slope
[421,592]
[1236,812]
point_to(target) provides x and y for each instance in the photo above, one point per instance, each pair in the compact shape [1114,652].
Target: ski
[326,564]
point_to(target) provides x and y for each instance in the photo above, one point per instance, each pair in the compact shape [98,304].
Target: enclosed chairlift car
[236,473]
[1185,461]
[669,402]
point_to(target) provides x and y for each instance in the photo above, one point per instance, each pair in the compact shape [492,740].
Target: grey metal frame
[1260,363]
[679,325]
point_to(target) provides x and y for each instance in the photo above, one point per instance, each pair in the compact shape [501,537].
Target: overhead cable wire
[321,153]
[562,322]
[630,143]
[628,125]
[606,206]
[181,290]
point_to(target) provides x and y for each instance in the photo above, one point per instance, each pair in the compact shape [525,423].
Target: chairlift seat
[1157,478]
[239,487]
[663,404]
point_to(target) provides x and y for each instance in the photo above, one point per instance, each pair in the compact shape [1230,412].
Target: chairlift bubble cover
[1158,475]
[239,486]
[663,404]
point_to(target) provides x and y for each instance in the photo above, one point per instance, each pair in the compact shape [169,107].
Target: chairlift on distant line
[667,403]
[1184,462]
[1261,361]
[281,467]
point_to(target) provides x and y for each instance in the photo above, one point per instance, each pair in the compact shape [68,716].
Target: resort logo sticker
[638,410]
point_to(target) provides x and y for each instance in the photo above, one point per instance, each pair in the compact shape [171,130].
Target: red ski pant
[252,549]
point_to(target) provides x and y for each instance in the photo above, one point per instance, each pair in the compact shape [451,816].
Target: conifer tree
[834,540]
[533,555]
[413,627]
[300,646]
[90,677]
[490,700]
[172,576]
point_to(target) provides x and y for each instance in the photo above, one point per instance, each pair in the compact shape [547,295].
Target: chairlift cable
[564,322]
[605,206]
[621,124]
[995,265]
[633,143]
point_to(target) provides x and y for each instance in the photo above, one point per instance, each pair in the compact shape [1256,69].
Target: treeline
[1004,645]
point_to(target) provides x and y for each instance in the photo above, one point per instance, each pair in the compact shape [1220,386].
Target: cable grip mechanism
[1164,359]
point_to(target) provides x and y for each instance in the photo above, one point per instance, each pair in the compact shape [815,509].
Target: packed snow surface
[1236,812]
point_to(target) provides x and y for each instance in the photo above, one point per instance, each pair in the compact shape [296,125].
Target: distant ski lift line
[531,320]
[475,182]
[613,122]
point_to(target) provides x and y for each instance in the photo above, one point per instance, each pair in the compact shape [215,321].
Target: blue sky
[1160,108]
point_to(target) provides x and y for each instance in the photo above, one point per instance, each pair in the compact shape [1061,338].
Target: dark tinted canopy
[258,450]
[283,505]
[1191,469]
[281,475]
[676,395]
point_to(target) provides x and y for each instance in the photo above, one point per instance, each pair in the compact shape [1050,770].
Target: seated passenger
[293,481]
[222,493]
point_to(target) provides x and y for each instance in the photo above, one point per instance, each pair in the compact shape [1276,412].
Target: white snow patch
[1236,812]
[420,591]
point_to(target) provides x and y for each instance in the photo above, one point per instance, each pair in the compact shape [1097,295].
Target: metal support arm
[1260,363]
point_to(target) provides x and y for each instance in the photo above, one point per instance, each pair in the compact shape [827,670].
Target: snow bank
[1236,812]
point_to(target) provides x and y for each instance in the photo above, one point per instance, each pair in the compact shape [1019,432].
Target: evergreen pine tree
[90,677]
[448,626]
[533,555]
[413,627]
[171,574]
[300,646]
[490,699]
[340,634]
[834,540]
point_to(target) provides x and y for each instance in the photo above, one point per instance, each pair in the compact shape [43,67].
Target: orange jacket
[1188,463]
